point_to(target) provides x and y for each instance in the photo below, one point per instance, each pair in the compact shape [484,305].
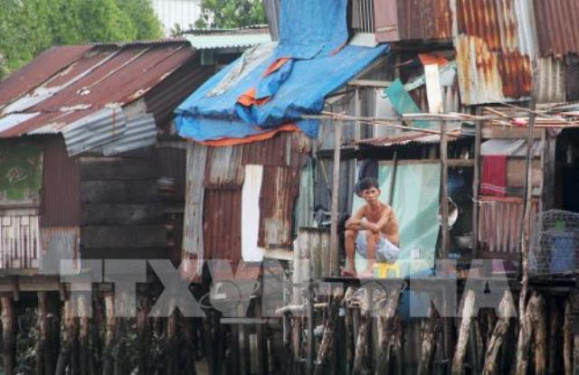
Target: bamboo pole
[444,191]
[475,189]
[334,243]
[524,329]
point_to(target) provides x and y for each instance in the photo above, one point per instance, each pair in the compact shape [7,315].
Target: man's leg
[371,243]
[350,244]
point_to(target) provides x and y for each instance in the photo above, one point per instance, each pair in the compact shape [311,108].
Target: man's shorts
[386,251]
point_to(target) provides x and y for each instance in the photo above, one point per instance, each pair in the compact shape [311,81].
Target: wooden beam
[475,188]
[444,191]
[370,83]
[334,243]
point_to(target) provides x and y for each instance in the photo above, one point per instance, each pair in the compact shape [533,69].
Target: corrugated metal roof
[557,27]
[213,41]
[494,47]
[408,137]
[81,92]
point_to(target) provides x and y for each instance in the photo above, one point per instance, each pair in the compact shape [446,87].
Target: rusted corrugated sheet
[494,47]
[194,198]
[60,202]
[224,169]
[279,191]
[74,88]
[407,137]
[222,224]
[557,27]
[58,244]
[412,20]
[39,70]
[284,149]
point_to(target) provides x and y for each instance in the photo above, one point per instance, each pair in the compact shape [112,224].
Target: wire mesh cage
[555,243]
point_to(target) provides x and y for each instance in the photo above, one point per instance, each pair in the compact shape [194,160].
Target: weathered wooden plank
[118,169]
[140,191]
[500,132]
[127,237]
[105,214]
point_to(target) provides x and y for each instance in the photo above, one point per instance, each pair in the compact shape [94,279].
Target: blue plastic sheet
[298,89]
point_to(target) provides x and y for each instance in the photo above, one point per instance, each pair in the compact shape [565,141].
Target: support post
[8,335]
[429,336]
[334,243]
[362,363]
[42,324]
[463,333]
[143,334]
[475,188]
[524,329]
[506,310]
[110,334]
[444,191]
[568,338]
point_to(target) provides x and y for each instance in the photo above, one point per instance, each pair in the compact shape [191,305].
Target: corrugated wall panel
[194,198]
[222,224]
[224,169]
[279,191]
[60,202]
[557,26]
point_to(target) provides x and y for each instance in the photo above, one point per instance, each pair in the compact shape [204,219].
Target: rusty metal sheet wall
[224,169]
[279,191]
[398,20]
[284,149]
[494,46]
[58,244]
[194,199]
[557,26]
[60,201]
[222,224]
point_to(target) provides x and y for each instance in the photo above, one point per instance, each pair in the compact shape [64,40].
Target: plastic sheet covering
[415,203]
[204,118]
[312,28]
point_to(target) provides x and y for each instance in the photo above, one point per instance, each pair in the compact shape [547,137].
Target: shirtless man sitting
[372,230]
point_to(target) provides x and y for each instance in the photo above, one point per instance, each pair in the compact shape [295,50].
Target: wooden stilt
[64,357]
[172,343]
[524,339]
[330,327]
[567,339]
[362,355]
[386,331]
[187,360]
[84,336]
[463,333]
[143,334]
[110,335]
[349,328]
[8,334]
[539,324]
[42,324]
[429,335]
[555,338]
[506,310]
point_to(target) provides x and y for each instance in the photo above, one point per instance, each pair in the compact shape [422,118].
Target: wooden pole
[444,191]
[334,243]
[386,322]
[475,188]
[463,333]
[65,355]
[568,338]
[539,321]
[555,338]
[524,329]
[173,345]
[84,329]
[42,323]
[362,356]
[110,334]
[8,334]
[143,334]
[349,330]
[330,326]
[429,336]
[506,311]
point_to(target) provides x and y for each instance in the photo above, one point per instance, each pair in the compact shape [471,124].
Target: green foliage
[27,27]
[230,14]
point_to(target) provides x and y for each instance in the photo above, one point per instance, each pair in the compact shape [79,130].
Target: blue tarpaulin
[314,63]
[203,117]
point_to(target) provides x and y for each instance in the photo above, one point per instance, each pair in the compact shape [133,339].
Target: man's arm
[376,227]
[354,222]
